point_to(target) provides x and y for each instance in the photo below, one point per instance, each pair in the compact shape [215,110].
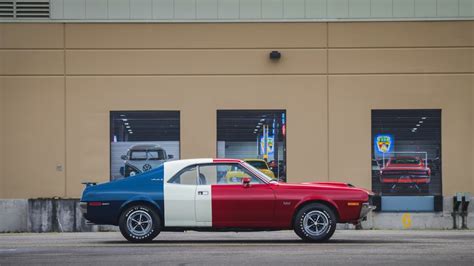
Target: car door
[203,200]
[232,203]
[180,196]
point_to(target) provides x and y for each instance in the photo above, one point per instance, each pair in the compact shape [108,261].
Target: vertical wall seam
[327,99]
[65,124]
[393,12]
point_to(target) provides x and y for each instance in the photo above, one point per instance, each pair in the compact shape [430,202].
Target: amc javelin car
[406,171]
[198,195]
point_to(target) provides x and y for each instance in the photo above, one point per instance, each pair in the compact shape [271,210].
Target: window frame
[198,165]
[178,175]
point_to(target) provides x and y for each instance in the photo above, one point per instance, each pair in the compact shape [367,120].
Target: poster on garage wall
[142,140]
[406,152]
[134,157]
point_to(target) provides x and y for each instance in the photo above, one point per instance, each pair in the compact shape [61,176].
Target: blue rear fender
[114,196]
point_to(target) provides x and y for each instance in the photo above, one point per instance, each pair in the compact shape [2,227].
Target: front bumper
[365,209]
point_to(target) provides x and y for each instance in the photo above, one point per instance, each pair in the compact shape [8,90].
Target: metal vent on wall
[6,9]
[24,9]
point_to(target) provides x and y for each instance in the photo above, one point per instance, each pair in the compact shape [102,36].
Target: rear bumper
[406,180]
[83,207]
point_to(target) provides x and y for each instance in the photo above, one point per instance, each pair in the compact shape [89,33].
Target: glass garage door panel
[142,140]
[406,152]
[257,136]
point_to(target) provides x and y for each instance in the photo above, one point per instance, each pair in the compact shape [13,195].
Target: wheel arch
[326,202]
[141,201]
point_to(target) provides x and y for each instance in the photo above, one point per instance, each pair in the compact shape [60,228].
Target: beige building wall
[400,66]
[33,134]
[197,69]
[353,98]
[60,81]
[89,100]
[32,142]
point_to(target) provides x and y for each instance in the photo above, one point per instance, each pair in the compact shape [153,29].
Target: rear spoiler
[89,184]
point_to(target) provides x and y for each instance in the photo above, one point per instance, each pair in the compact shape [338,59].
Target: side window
[212,174]
[185,177]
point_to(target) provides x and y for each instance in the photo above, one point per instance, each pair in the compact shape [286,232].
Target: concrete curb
[63,215]
[45,215]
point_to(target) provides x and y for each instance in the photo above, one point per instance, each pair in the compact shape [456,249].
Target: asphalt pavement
[347,247]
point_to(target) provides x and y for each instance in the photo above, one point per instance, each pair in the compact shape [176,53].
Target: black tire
[148,235]
[315,209]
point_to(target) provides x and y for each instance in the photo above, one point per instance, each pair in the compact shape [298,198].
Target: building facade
[340,88]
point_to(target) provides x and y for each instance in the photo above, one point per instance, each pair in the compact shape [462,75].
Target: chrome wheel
[139,223]
[316,222]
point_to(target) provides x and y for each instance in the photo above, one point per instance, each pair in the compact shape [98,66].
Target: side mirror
[124,157]
[170,156]
[246,181]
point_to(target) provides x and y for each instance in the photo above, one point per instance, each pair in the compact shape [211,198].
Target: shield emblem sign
[384,143]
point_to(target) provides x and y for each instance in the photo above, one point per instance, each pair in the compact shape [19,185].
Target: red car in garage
[406,171]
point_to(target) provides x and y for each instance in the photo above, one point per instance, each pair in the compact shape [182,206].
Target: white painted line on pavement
[8,250]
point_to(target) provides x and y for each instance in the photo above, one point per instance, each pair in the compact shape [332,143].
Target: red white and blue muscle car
[221,195]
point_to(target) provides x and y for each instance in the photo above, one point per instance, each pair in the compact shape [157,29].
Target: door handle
[203,192]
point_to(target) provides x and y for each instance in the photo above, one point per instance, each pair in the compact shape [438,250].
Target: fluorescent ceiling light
[424,117]
[417,125]
[124,119]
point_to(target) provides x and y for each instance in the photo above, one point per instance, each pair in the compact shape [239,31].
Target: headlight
[131,170]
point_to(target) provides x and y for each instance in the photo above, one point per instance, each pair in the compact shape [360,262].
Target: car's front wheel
[315,222]
[139,223]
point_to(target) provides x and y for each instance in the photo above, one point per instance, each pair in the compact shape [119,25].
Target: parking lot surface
[368,247]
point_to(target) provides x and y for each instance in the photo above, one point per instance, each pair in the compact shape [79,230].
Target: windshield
[147,155]
[257,172]
[258,164]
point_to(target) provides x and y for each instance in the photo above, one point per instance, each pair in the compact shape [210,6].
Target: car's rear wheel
[139,223]
[315,222]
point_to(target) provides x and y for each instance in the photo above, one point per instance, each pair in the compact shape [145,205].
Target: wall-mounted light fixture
[275,55]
